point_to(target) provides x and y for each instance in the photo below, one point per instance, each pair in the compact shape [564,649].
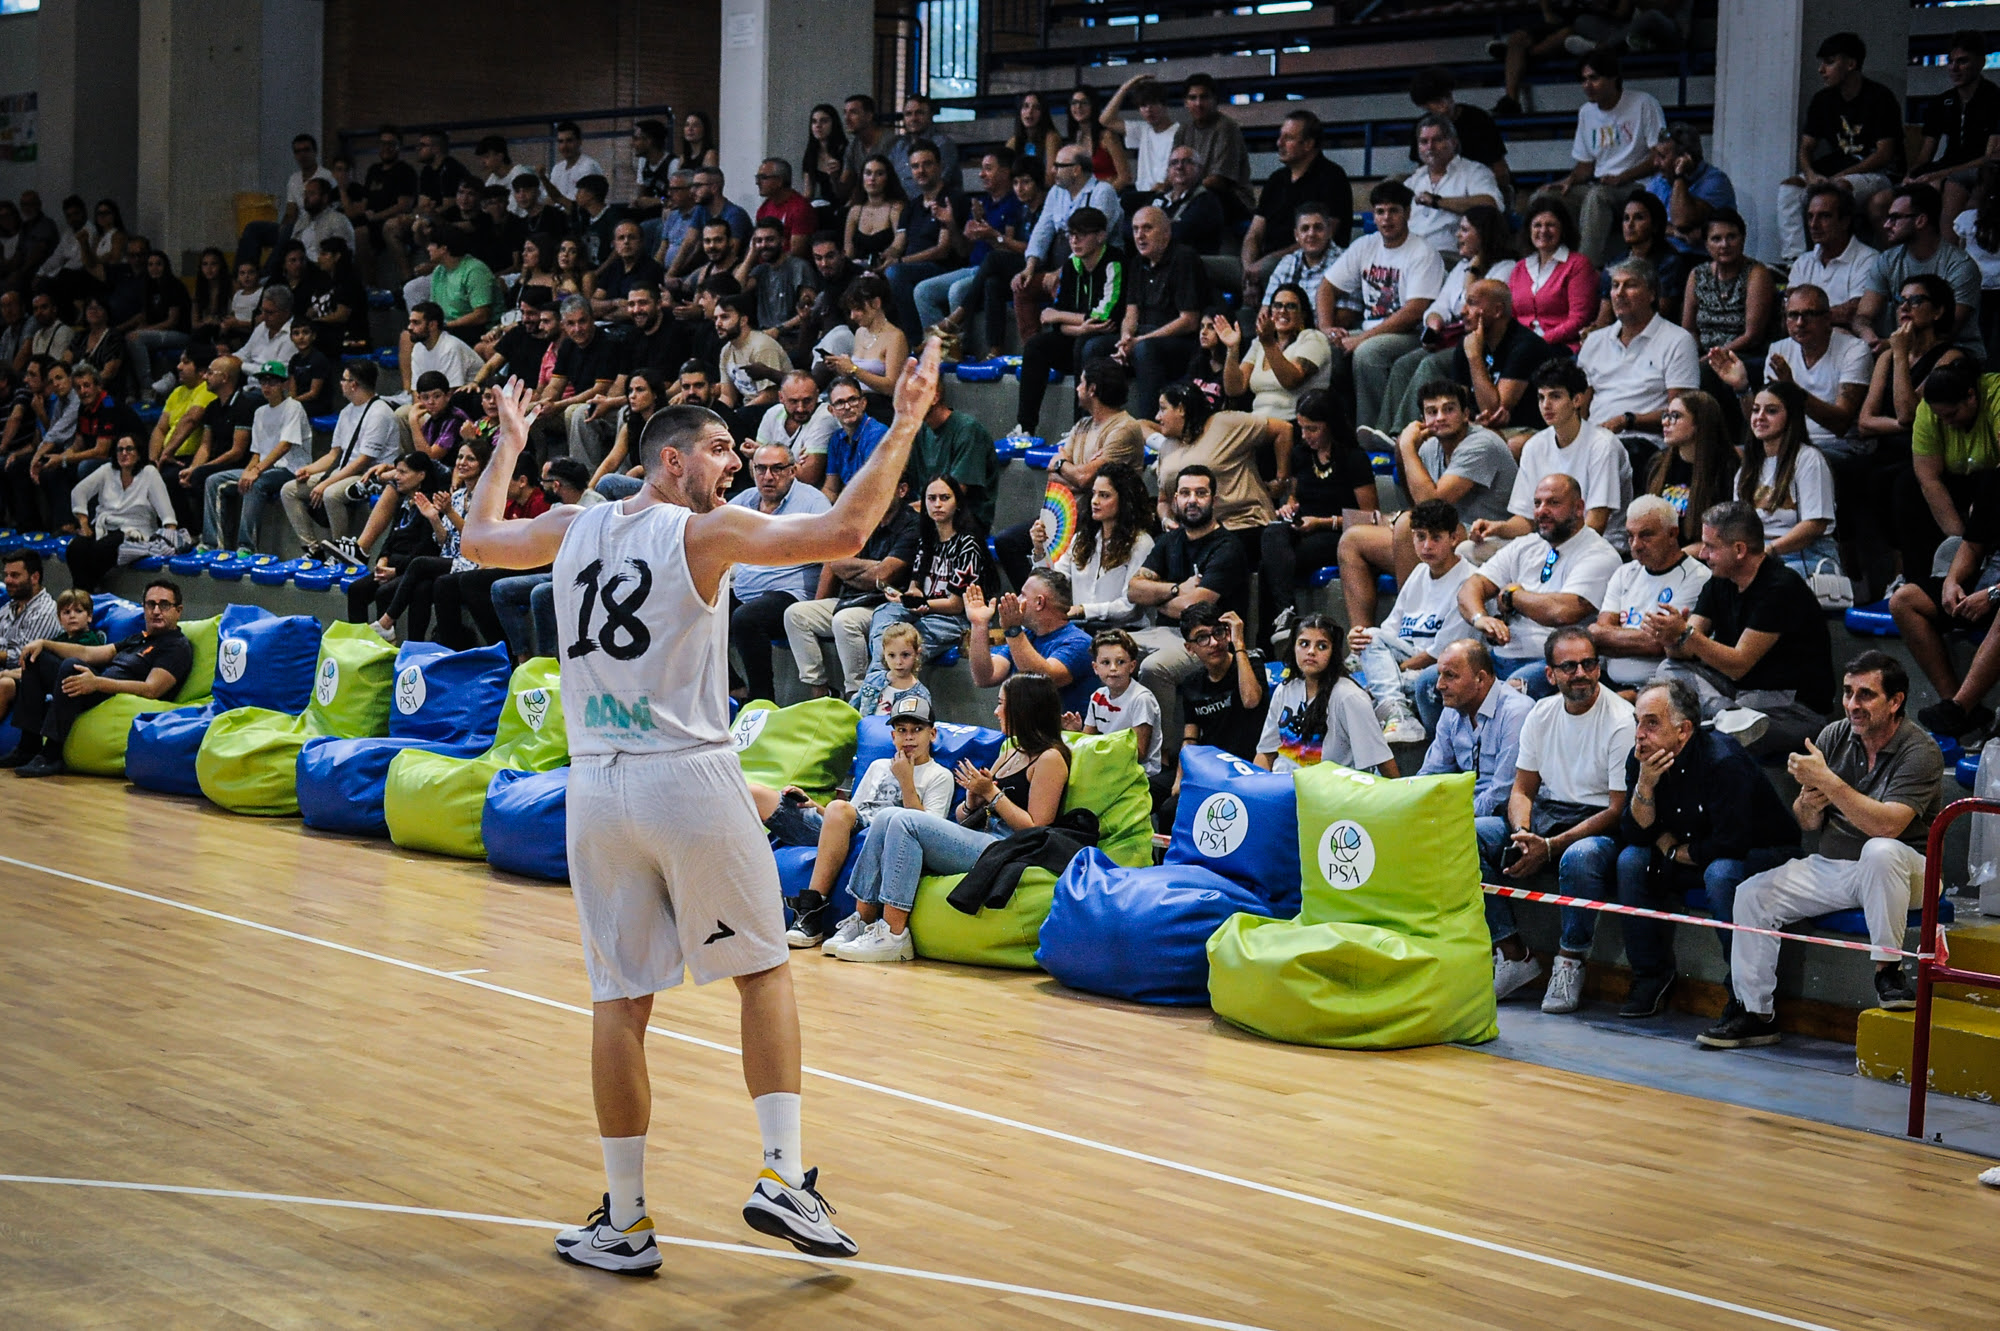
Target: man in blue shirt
[996,215]
[1689,188]
[1040,638]
[854,440]
[1480,732]
[759,596]
[710,203]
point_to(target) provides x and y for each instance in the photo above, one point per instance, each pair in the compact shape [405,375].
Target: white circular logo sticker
[1346,855]
[1220,824]
[328,683]
[230,659]
[411,690]
[534,705]
[748,726]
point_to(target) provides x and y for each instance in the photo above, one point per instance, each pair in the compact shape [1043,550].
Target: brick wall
[391,61]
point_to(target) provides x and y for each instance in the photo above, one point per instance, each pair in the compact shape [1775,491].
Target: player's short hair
[677,428]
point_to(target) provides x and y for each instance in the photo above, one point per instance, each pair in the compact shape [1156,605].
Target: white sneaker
[1565,991]
[1510,974]
[1991,1178]
[1402,726]
[850,929]
[1373,440]
[1742,724]
[878,944]
[628,1252]
[798,1215]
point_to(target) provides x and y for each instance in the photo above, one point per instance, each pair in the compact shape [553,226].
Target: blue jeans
[938,296]
[940,633]
[1649,944]
[1381,664]
[903,845]
[903,279]
[1803,561]
[221,485]
[526,607]
[1531,671]
[619,487]
[1587,869]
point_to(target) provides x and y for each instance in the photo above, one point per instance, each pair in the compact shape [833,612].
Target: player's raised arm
[490,539]
[733,534]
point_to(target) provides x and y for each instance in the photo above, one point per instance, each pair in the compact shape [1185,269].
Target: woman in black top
[1329,473]
[339,310]
[162,321]
[820,165]
[212,290]
[100,345]
[306,282]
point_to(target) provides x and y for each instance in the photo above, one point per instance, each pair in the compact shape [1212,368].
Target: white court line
[945,1106]
[831,1267]
[459,975]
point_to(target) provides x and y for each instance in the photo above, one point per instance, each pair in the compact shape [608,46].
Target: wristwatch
[1628,420]
[1016,631]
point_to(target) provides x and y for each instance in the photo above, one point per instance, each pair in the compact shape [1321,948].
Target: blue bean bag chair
[525,822]
[260,661]
[1240,821]
[115,617]
[442,702]
[1139,934]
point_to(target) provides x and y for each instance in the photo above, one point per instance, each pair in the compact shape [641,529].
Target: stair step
[1974,947]
[1965,1048]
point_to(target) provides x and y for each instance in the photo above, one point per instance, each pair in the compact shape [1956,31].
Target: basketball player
[668,863]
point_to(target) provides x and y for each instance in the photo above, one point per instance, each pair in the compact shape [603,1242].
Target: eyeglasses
[1587,666]
[1670,414]
[770,468]
[1204,637]
[1549,564]
[162,605]
[1918,299]
[1291,305]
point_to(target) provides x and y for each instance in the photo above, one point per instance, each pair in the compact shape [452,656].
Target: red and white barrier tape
[1615,908]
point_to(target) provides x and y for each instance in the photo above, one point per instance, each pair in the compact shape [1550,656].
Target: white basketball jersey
[645,661]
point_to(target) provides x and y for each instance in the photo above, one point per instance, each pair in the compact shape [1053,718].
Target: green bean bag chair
[1390,947]
[434,801]
[1104,777]
[248,761]
[96,743]
[809,744]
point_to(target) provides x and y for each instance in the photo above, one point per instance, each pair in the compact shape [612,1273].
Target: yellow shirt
[179,402]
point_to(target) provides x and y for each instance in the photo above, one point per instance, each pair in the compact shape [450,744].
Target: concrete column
[87,58]
[1758,117]
[779,57]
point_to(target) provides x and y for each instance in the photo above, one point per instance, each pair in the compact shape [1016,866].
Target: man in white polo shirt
[1445,186]
[1640,360]
[1837,264]
[1540,583]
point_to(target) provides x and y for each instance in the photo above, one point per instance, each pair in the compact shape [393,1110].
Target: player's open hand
[917,390]
[513,403]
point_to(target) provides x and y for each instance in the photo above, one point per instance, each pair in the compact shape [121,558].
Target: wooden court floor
[352,1086]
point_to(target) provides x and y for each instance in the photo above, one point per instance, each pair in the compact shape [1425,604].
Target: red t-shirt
[794,212]
[536,505]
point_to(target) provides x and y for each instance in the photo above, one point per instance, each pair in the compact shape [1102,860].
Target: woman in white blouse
[1114,534]
[131,506]
[1788,481]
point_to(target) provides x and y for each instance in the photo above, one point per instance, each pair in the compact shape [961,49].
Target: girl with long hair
[538,264]
[951,556]
[873,214]
[1696,468]
[1328,472]
[880,349]
[820,163]
[212,289]
[1035,135]
[1317,714]
[697,147]
[409,590]
[573,274]
[1788,481]
[1926,319]
[1023,790]
[161,323]
[645,394]
[339,312]
[1115,528]
[1108,161]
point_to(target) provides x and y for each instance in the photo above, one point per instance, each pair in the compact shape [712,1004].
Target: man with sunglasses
[1569,793]
[1914,227]
[1540,583]
[60,681]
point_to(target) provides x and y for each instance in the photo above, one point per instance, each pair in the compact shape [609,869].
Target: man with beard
[1198,562]
[1549,580]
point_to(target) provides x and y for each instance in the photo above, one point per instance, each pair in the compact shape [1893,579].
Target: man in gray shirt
[1915,225]
[1870,786]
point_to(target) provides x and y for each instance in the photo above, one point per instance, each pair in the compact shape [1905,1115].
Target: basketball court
[258,1077]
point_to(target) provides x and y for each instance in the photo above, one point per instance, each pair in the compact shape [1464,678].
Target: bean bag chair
[1104,777]
[248,761]
[435,801]
[1240,821]
[266,662]
[115,617]
[809,744]
[1138,934]
[1390,947]
[525,821]
[443,702]
[96,743]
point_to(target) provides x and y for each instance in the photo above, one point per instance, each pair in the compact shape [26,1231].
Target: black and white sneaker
[626,1252]
[810,910]
[1743,1030]
[1893,993]
[799,1216]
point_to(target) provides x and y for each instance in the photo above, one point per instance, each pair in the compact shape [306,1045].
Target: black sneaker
[1948,718]
[24,753]
[1893,993]
[809,910]
[1648,996]
[1742,1031]
[47,764]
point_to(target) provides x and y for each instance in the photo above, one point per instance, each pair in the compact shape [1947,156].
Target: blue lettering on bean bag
[1241,821]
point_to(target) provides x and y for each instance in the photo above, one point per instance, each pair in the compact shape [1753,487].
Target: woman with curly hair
[1114,534]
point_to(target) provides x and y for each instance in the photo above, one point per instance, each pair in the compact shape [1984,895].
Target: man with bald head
[759,597]
[223,442]
[1163,313]
[799,422]
[1540,583]
[1495,359]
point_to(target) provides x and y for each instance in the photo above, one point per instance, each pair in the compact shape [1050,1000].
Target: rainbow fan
[1059,517]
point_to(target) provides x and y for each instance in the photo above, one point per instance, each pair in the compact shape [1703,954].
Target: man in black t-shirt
[1303,173]
[1853,136]
[518,350]
[1222,702]
[1162,324]
[1960,127]
[1509,353]
[60,681]
[390,190]
[1757,639]
[1198,562]
[590,364]
[315,379]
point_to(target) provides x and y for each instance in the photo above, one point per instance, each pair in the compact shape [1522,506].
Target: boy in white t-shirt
[1398,662]
[1593,456]
[1395,277]
[909,780]
[1121,703]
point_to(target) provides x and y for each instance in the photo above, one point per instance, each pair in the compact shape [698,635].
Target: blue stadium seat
[1873,620]
[1950,748]
[381,298]
[979,371]
[1967,770]
[1042,456]
[1384,464]
[1385,583]
[325,424]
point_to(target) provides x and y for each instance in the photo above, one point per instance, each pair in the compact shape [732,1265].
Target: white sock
[625,1173]
[778,1121]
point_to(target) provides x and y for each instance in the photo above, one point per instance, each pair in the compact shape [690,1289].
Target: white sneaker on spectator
[848,930]
[1578,45]
[1401,726]
[1742,724]
[1991,1177]
[1509,974]
[878,944]
[1565,991]
[1373,440]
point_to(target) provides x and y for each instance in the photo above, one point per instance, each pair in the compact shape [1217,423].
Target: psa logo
[1220,825]
[230,659]
[748,726]
[534,705]
[411,690]
[1346,855]
[327,683]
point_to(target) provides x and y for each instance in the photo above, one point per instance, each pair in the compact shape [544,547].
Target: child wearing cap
[280,443]
[909,780]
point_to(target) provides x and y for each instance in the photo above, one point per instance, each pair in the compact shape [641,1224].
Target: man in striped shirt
[28,613]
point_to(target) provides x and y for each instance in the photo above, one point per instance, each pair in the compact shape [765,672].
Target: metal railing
[596,126]
[1933,964]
